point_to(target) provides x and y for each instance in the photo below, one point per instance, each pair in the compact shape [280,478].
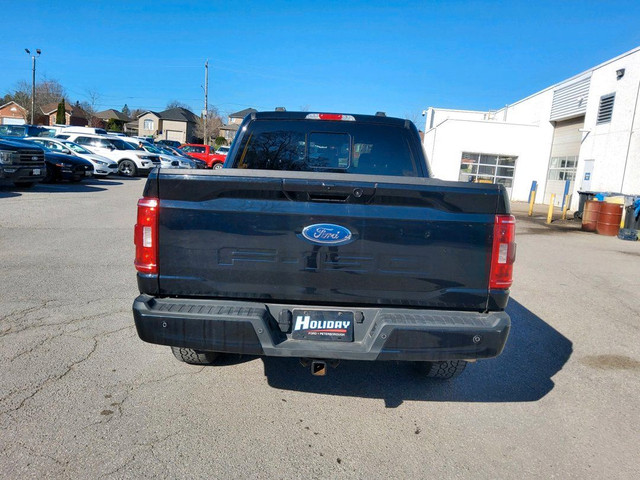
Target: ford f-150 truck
[324,238]
[21,163]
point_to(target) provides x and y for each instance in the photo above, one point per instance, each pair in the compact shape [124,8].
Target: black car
[66,167]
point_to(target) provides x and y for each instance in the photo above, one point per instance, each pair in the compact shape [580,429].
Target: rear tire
[194,357]
[443,370]
[127,168]
[217,166]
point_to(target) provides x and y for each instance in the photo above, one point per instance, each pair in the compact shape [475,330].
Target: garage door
[563,163]
[12,121]
[175,135]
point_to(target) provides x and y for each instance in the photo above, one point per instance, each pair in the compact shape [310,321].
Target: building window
[486,168]
[563,168]
[605,110]
[148,124]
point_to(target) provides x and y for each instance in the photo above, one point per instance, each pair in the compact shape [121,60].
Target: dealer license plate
[36,171]
[324,325]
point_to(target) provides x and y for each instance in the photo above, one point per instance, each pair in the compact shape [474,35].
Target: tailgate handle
[326,191]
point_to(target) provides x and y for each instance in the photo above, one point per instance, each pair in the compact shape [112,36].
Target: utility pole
[33,81]
[206,101]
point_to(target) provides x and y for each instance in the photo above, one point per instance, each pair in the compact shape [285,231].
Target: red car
[205,153]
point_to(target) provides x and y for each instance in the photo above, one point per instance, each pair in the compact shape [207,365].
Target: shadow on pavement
[6,192]
[65,187]
[534,353]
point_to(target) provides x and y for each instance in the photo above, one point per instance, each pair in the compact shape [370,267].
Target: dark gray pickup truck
[21,163]
[324,238]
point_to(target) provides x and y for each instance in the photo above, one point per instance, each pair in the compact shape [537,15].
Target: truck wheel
[216,166]
[127,168]
[194,357]
[443,370]
[23,184]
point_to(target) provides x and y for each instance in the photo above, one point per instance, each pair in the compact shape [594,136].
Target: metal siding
[571,100]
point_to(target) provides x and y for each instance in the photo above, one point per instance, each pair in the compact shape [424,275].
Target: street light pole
[206,101]
[33,81]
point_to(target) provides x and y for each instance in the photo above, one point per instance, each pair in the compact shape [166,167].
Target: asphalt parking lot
[82,397]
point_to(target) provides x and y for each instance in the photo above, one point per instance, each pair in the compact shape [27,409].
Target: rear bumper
[383,334]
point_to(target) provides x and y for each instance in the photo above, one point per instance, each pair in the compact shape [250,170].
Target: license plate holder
[323,325]
[36,171]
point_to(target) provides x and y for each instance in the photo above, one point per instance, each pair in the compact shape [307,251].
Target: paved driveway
[82,397]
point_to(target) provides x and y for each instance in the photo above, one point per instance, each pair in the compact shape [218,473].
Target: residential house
[172,124]
[74,114]
[110,118]
[235,119]
[12,114]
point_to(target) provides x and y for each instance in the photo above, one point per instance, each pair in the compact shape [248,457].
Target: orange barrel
[590,215]
[609,219]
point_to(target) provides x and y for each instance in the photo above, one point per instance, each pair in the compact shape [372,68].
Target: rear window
[329,146]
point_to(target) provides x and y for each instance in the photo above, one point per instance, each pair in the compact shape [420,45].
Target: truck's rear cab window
[342,147]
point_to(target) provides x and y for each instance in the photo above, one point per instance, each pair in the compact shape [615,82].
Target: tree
[177,104]
[126,111]
[61,117]
[136,112]
[48,91]
[214,122]
[89,106]
[114,125]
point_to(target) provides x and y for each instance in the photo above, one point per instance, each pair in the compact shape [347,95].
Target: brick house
[74,115]
[13,114]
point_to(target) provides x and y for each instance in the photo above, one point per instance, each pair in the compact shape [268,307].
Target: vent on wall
[605,110]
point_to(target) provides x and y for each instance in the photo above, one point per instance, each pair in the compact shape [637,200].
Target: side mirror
[66,151]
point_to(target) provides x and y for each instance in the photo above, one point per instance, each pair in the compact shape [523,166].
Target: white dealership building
[583,130]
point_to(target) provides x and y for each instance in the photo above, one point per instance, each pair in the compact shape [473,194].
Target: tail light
[330,116]
[503,252]
[145,236]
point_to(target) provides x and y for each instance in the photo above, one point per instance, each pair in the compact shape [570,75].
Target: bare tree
[416,118]
[90,106]
[214,122]
[177,104]
[48,91]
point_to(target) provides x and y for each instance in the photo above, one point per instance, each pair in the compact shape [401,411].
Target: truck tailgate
[238,234]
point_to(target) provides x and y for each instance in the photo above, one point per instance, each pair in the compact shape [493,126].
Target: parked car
[23,131]
[176,151]
[131,162]
[169,143]
[167,160]
[93,130]
[21,163]
[61,166]
[102,166]
[204,152]
[362,255]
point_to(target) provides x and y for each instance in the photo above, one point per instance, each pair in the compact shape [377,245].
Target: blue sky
[361,57]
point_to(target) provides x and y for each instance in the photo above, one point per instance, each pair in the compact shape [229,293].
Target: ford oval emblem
[35,159]
[327,234]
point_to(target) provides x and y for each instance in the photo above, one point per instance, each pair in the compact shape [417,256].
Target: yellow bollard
[566,206]
[550,213]
[532,201]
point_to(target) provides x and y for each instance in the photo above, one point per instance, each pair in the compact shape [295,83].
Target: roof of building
[242,113]
[111,113]
[16,104]
[74,110]
[178,114]
[232,126]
